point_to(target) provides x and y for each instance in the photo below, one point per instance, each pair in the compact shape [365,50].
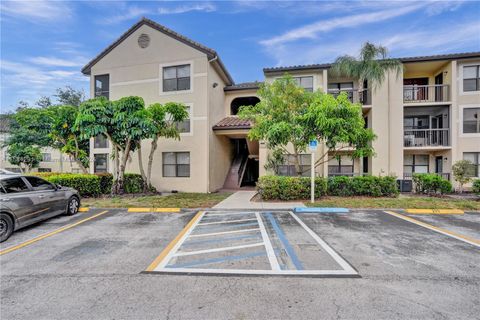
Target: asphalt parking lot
[111,264]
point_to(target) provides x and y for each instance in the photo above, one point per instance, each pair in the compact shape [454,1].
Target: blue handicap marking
[320,210]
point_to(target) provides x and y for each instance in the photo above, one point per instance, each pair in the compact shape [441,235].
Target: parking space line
[216,240]
[49,234]
[226,221]
[434,211]
[190,253]
[227,213]
[455,235]
[83,209]
[268,245]
[173,246]
[342,262]
[217,260]
[283,239]
[223,232]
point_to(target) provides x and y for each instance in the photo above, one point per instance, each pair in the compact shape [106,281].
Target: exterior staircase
[234,177]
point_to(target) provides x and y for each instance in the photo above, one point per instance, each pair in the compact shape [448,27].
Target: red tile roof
[230,123]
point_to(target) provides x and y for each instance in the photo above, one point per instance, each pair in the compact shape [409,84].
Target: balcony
[340,171]
[363,96]
[426,93]
[426,137]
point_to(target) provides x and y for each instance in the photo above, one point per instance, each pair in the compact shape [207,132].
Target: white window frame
[190,117]
[173,64]
[460,123]
[460,79]
[301,75]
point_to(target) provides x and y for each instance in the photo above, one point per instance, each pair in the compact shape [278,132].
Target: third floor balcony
[426,93]
[362,96]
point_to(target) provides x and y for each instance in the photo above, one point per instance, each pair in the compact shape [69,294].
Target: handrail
[426,93]
[426,137]
[362,96]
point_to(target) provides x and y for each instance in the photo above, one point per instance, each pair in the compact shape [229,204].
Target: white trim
[175,248]
[172,64]
[460,79]
[460,121]
[126,83]
[268,245]
[226,221]
[223,232]
[339,260]
[191,253]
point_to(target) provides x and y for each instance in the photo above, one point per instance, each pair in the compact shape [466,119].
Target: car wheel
[72,206]
[6,226]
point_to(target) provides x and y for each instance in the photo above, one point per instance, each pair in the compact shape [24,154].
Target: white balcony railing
[426,93]
[355,95]
[426,137]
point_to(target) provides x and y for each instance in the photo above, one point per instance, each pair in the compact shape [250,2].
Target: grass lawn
[402,202]
[178,200]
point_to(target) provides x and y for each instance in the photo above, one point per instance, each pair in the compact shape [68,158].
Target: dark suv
[26,199]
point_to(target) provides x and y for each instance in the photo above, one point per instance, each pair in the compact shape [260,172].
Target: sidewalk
[241,200]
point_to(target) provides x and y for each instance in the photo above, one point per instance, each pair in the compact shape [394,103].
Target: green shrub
[476,186]
[289,188]
[106,181]
[362,186]
[133,183]
[86,184]
[45,175]
[431,183]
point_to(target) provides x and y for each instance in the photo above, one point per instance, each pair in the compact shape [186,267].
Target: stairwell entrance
[244,169]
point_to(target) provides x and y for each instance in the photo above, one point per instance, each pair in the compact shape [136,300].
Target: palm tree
[371,66]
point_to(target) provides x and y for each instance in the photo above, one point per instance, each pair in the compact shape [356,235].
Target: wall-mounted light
[214,84]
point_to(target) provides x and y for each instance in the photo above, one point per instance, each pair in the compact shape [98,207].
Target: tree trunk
[140,166]
[150,161]
[115,169]
[80,164]
[298,170]
[123,165]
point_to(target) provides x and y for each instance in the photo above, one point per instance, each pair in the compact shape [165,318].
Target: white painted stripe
[433,228]
[125,83]
[223,232]
[226,221]
[169,256]
[189,253]
[228,213]
[268,245]
[344,264]
[260,272]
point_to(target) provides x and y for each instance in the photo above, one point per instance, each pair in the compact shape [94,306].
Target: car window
[14,185]
[39,184]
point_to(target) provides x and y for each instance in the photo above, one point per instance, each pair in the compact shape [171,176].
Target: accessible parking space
[250,243]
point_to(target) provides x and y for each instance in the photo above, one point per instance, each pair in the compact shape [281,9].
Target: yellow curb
[153,209]
[83,209]
[170,246]
[434,211]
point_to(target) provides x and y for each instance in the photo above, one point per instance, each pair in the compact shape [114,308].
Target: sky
[44,44]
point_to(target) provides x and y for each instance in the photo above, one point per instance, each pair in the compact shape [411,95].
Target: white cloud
[204,7]
[311,31]
[37,10]
[58,62]
[130,14]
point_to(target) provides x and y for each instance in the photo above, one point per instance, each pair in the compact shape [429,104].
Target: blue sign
[313,145]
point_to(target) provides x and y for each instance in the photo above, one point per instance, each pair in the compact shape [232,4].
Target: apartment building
[426,119]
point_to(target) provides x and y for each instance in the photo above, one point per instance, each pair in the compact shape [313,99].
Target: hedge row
[93,184]
[297,188]
[476,186]
[431,183]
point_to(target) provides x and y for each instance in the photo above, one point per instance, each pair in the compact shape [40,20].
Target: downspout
[208,132]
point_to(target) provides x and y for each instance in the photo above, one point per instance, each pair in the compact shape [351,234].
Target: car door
[19,199]
[50,198]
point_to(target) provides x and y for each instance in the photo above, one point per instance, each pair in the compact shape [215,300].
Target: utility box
[405,185]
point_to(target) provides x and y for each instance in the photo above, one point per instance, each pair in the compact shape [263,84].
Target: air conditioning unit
[405,185]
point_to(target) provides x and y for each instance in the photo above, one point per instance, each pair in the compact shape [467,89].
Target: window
[39,184]
[471,78]
[288,167]
[102,86]
[471,120]
[44,169]
[341,166]
[336,88]
[14,185]
[176,164]
[416,163]
[16,170]
[46,157]
[176,78]
[418,122]
[100,141]
[305,82]
[474,158]
[184,126]
[100,162]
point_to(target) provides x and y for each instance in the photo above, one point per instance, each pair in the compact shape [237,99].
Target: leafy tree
[462,172]
[124,122]
[70,96]
[24,156]
[164,119]
[288,115]
[372,65]
[44,102]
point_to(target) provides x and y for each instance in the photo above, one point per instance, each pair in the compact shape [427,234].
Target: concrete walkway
[241,200]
